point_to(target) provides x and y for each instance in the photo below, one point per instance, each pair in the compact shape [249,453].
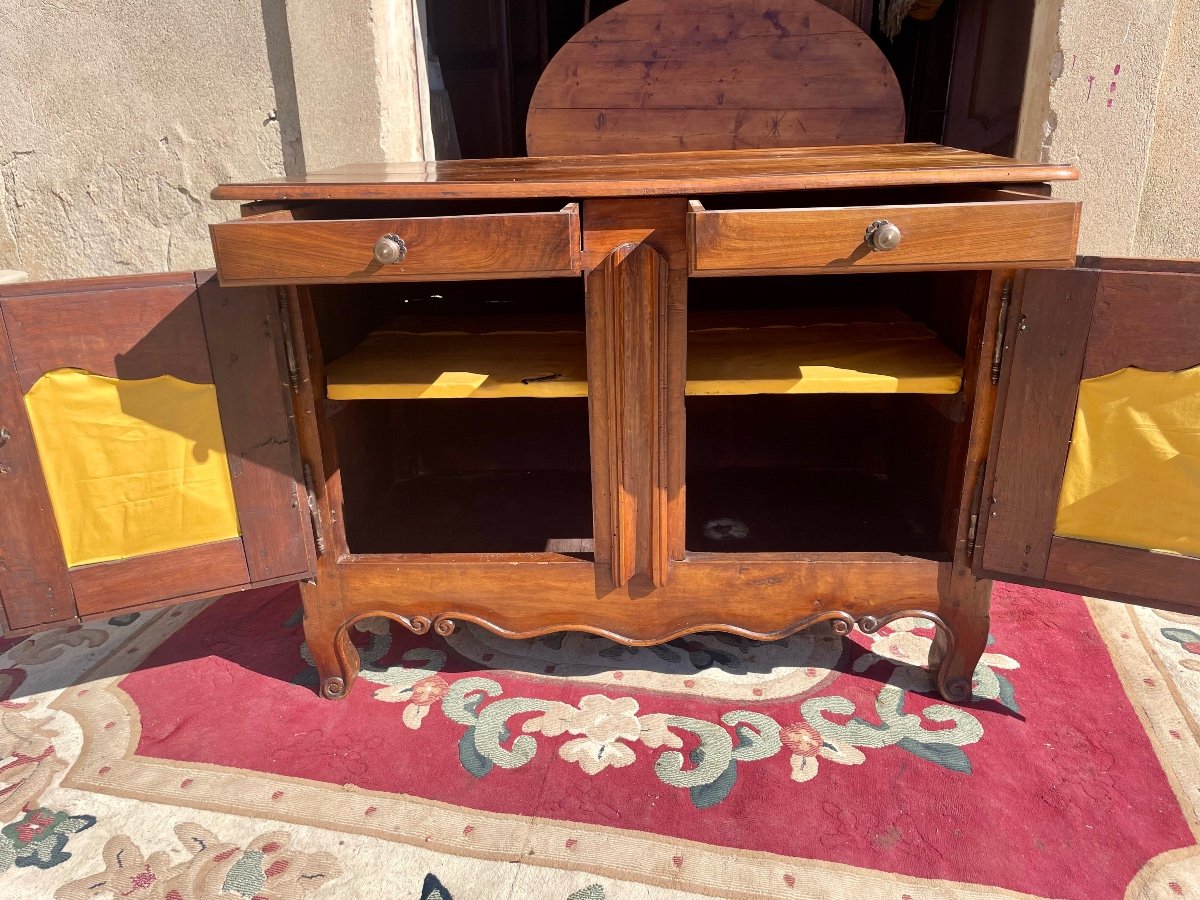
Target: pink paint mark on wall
[1074,59]
[1112,85]
[1091,80]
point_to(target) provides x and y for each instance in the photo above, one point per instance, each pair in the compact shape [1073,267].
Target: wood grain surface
[34,586]
[1150,320]
[830,240]
[517,245]
[626,311]
[693,75]
[110,586]
[245,346]
[653,174]
[128,330]
[1124,573]
[756,597]
[1048,325]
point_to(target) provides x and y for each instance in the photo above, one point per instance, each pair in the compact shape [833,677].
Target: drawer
[284,247]
[993,228]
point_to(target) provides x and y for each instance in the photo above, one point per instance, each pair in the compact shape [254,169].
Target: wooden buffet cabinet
[640,396]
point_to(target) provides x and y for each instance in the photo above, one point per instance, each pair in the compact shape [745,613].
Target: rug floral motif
[183,754]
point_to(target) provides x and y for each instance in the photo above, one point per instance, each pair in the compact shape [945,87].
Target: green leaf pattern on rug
[603,731]
[40,837]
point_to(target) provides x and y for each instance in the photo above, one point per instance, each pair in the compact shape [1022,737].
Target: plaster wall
[117,117]
[1115,89]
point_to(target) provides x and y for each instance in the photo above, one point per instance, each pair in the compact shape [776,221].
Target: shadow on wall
[287,108]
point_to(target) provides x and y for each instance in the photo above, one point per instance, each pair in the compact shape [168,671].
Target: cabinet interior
[460,413]
[433,468]
[861,462]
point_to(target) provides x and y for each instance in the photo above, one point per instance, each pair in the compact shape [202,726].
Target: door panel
[34,586]
[245,345]
[1094,478]
[167,466]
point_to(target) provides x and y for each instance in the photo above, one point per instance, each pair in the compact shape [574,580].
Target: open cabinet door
[148,451]
[1093,484]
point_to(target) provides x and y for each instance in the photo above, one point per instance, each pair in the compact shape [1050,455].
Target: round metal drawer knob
[390,249]
[883,235]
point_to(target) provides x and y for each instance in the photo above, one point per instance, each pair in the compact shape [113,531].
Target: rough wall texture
[1120,98]
[358,81]
[117,117]
[1171,195]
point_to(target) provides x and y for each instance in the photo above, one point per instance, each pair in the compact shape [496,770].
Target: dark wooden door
[963,73]
[1093,483]
[491,53]
[987,81]
[147,452]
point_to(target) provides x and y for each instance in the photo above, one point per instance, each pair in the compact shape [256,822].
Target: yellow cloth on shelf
[399,365]
[899,357]
[133,467]
[1133,471]
[814,352]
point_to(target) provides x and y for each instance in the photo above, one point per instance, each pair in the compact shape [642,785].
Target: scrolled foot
[335,656]
[959,650]
[955,690]
[333,689]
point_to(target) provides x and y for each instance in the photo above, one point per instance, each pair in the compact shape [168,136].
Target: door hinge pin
[976,503]
[314,514]
[1001,328]
[289,346]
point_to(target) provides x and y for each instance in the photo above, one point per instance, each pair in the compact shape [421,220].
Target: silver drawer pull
[883,235]
[390,249]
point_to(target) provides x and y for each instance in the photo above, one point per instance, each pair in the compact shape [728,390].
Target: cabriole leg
[958,649]
[329,644]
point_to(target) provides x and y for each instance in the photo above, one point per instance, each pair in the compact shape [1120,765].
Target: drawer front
[1023,233]
[275,250]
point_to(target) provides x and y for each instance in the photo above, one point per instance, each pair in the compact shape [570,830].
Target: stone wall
[1115,89]
[118,117]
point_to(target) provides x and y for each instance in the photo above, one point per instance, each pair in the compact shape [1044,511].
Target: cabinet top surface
[647,174]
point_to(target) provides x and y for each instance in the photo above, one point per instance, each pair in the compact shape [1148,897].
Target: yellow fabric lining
[843,351]
[133,467]
[1133,471]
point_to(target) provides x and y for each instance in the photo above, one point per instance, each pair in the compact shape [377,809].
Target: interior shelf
[423,358]
[855,350]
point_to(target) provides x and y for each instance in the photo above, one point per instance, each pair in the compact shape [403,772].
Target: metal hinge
[313,512]
[289,346]
[976,504]
[1001,327]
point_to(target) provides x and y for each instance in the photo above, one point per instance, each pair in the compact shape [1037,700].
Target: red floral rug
[183,754]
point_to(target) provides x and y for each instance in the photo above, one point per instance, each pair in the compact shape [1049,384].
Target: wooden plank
[105,283]
[654,174]
[245,346]
[595,129]
[110,586]
[1124,573]
[831,240]
[753,595]
[1048,329]
[626,317]
[1150,320]
[660,223]
[689,82]
[130,332]
[516,245]
[34,587]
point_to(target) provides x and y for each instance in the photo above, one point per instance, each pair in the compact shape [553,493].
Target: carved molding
[626,301]
[955,690]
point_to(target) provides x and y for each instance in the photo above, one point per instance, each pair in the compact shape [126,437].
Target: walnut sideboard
[640,396]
